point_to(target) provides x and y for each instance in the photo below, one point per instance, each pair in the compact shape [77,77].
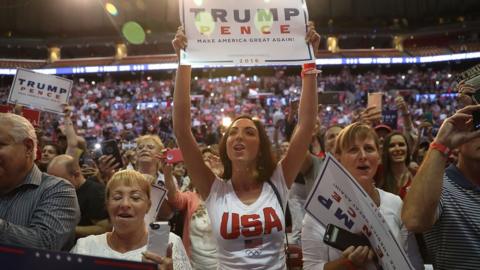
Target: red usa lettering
[251,224]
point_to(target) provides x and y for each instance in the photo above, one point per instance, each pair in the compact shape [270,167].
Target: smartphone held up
[110,147]
[342,239]
[158,237]
[173,156]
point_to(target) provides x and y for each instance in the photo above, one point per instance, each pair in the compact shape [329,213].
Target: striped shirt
[454,240]
[42,212]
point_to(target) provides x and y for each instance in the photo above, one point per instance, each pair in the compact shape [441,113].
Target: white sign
[157,196]
[245,32]
[40,91]
[338,199]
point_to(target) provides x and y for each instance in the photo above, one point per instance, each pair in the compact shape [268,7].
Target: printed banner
[245,33]
[40,91]
[24,258]
[338,199]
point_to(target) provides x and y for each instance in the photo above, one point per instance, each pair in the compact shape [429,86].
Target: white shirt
[96,245]
[316,253]
[249,236]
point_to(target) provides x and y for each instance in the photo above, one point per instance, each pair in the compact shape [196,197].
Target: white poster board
[40,91]
[157,196]
[245,32]
[336,198]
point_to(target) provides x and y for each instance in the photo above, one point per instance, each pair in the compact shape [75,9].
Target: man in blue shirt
[444,203]
[36,209]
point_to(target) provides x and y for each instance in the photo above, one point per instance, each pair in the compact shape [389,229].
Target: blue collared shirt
[456,176]
[453,241]
[41,212]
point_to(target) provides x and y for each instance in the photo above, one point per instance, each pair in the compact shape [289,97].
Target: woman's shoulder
[173,238]
[389,200]
[89,244]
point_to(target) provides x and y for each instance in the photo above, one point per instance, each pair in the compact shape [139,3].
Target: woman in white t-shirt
[357,149]
[128,201]
[246,215]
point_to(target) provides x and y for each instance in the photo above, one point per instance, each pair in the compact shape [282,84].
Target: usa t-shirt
[249,236]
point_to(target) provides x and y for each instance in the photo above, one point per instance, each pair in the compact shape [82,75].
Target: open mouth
[239,147]
[363,168]
[398,153]
[125,215]
[145,154]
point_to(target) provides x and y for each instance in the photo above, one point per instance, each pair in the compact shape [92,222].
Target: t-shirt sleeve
[81,247]
[315,252]
[439,211]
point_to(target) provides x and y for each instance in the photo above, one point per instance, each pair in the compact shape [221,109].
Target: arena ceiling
[53,21]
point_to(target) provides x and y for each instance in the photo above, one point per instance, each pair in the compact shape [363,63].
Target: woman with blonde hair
[127,202]
[147,150]
[357,149]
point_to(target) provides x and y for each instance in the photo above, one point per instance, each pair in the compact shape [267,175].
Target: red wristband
[441,148]
[307,67]
[349,264]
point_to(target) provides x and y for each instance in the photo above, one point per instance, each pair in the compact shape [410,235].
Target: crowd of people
[131,108]
[236,196]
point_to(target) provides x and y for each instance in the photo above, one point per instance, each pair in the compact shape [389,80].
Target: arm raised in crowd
[72,140]
[409,131]
[201,176]
[419,211]
[170,182]
[302,135]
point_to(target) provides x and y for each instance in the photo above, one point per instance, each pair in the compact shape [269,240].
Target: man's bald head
[63,166]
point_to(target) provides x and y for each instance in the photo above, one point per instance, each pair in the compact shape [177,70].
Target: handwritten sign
[245,33]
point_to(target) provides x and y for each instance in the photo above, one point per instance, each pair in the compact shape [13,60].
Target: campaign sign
[31,115]
[157,196]
[338,199]
[390,118]
[40,91]
[245,33]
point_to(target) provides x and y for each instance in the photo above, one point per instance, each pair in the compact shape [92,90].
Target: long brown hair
[266,162]
[388,182]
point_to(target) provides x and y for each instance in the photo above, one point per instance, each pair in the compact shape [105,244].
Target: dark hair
[266,162]
[424,144]
[388,180]
[57,148]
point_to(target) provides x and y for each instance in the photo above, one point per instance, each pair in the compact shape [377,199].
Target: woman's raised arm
[201,176]
[307,113]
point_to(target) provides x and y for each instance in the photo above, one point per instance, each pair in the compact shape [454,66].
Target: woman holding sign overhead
[246,210]
[357,149]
